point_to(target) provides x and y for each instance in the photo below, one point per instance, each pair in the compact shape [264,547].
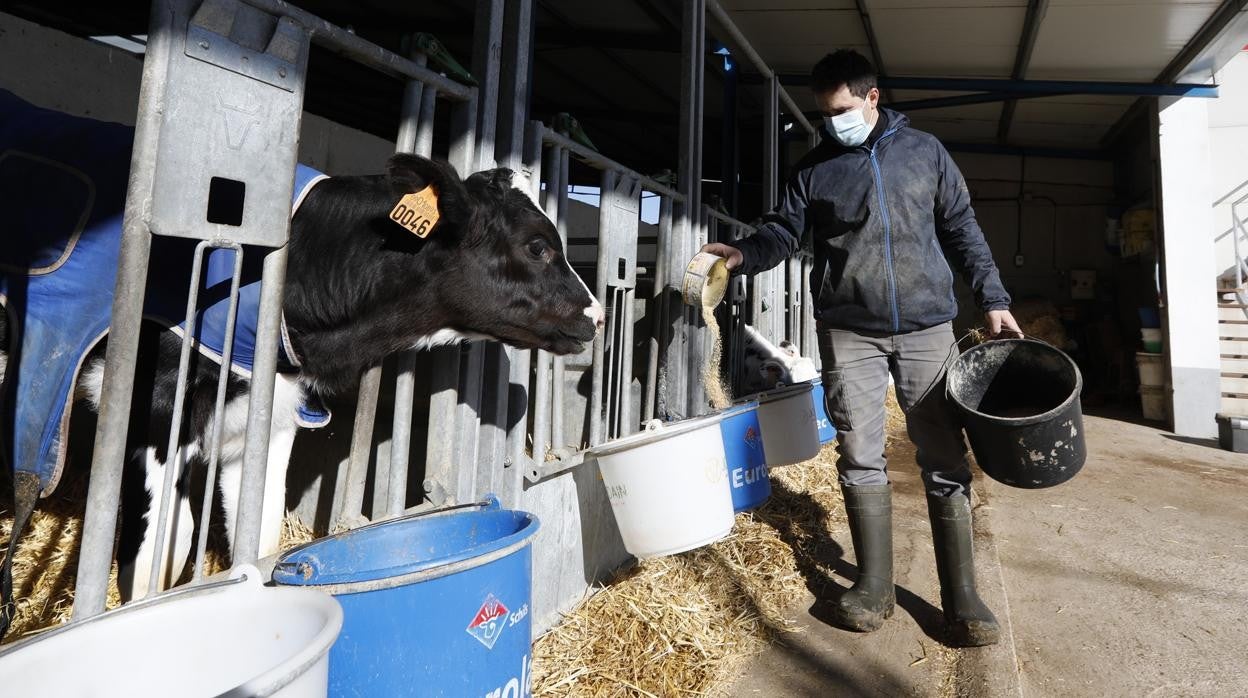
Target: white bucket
[1153,402]
[1151,337]
[1152,370]
[790,428]
[236,638]
[668,486]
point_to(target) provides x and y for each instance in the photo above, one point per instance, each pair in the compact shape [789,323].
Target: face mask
[849,129]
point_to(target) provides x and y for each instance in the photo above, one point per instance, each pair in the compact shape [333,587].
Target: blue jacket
[63,188]
[887,219]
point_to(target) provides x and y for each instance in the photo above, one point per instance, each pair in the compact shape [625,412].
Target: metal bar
[963,100]
[771,144]
[413,122]
[735,36]
[689,179]
[514,85]
[218,423]
[658,309]
[1045,87]
[366,53]
[100,523]
[625,422]
[606,202]
[173,458]
[601,162]
[352,510]
[424,131]
[557,440]
[486,54]
[246,546]
[542,387]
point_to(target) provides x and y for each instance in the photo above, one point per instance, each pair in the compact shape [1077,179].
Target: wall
[1228,146]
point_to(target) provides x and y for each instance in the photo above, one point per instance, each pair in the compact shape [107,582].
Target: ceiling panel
[1114,42]
[1056,135]
[979,130]
[947,41]
[827,27]
[783,5]
[800,58]
[940,5]
[1046,111]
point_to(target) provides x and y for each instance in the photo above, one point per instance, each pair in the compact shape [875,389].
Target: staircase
[1233,346]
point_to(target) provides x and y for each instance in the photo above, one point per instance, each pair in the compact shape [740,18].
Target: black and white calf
[359,288]
[765,365]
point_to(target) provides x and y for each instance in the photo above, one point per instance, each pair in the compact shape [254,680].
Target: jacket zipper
[888,236]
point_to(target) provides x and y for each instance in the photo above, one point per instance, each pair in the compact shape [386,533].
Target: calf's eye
[537,247]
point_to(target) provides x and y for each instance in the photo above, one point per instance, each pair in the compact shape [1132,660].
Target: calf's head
[501,269]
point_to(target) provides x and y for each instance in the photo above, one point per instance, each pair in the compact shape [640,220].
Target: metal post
[605,203]
[260,409]
[542,390]
[100,523]
[689,177]
[415,121]
[655,392]
[557,438]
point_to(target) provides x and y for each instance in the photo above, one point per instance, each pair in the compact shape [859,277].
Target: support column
[1188,265]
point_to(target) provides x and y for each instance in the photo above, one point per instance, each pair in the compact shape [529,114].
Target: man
[886,206]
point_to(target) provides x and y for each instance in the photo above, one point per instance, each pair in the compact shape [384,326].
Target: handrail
[601,162]
[341,41]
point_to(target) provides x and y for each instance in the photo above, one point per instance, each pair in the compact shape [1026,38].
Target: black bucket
[1019,400]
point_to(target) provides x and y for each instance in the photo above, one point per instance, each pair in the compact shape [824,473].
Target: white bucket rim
[664,430]
[243,577]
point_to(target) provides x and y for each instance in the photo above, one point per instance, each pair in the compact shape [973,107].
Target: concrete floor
[1130,580]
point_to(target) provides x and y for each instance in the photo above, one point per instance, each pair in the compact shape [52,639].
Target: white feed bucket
[236,638]
[1152,370]
[790,428]
[668,486]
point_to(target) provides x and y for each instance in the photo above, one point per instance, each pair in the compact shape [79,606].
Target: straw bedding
[683,625]
[47,561]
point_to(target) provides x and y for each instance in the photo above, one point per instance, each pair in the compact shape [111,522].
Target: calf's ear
[411,173]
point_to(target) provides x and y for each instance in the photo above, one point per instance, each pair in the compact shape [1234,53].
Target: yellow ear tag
[418,212]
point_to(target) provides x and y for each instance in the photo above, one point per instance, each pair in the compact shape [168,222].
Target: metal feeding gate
[214,159]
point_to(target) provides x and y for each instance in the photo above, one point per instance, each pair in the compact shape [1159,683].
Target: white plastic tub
[790,428]
[668,486]
[1151,338]
[1152,370]
[236,638]
[1153,403]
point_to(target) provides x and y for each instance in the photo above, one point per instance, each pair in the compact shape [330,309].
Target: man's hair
[843,67]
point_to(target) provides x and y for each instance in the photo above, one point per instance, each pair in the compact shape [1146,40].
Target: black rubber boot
[866,605]
[971,624]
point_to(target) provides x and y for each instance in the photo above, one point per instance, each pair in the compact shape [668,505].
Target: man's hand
[730,254]
[1001,321]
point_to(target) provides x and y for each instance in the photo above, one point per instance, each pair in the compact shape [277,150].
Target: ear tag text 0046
[417,212]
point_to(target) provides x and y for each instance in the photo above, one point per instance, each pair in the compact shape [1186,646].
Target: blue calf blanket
[62,193]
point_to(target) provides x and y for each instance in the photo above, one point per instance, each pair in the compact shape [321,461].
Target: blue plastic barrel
[827,432]
[434,604]
[743,452]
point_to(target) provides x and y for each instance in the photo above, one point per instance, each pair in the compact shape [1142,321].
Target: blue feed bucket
[827,432]
[434,604]
[743,451]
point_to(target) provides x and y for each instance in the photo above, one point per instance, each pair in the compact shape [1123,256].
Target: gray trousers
[856,367]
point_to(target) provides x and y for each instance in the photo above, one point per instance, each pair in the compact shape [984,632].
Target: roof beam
[1039,88]
[876,56]
[1036,10]
[1218,23]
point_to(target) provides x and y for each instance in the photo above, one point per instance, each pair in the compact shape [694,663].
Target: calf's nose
[596,313]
